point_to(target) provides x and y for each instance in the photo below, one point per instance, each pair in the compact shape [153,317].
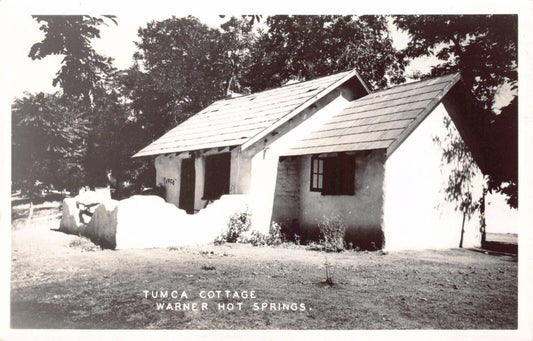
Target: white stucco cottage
[327,146]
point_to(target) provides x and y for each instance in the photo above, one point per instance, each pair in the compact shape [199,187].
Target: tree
[46,144]
[181,67]
[82,69]
[305,47]
[183,62]
[502,157]
[237,41]
[484,49]
[459,188]
[91,78]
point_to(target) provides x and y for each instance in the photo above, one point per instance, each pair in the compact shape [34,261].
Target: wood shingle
[231,122]
[378,120]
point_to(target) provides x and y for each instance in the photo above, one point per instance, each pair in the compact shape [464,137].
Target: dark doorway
[217,174]
[187,186]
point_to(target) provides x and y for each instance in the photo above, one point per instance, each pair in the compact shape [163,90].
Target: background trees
[305,47]
[484,48]
[47,144]
[82,69]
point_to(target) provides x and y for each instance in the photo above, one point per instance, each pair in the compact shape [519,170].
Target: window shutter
[348,187]
[329,180]
[339,175]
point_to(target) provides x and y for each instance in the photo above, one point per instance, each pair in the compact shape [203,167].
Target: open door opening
[217,174]
[187,183]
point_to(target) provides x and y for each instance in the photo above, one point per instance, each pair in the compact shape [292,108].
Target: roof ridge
[283,86]
[411,83]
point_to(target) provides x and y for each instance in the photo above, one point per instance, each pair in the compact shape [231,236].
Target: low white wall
[148,222]
[70,219]
[416,215]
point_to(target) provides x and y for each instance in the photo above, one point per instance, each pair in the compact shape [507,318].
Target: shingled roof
[232,122]
[380,120]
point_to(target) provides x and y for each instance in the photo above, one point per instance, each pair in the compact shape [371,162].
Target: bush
[332,230]
[275,236]
[257,238]
[238,223]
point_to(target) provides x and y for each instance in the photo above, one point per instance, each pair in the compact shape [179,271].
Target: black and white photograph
[240,173]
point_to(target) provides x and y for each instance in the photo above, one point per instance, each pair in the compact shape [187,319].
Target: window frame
[320,174]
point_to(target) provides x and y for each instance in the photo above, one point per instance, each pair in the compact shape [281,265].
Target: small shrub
[275,236]
[332,230]
[238,223]
[220,240]
[257,238]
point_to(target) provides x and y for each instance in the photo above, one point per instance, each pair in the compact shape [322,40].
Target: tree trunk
[482,228]
[462,231]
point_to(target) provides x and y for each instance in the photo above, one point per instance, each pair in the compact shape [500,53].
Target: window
[317,174]
[334,175]
[217,174]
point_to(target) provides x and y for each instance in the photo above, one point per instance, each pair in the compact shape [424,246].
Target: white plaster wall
[265,163]
[70,219]
[500,217]
[199,168]
[168,174]
[168,170]
[287,193]
[240,172]
[416,216]
[148,221]
[360,212]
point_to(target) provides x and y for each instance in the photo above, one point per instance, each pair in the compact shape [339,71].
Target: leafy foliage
[238,223]
[332,230]
[275,236]
[47,143]
[82,69]
[303,47]
[459,186]
[484,49]
[182,66]
[504,154]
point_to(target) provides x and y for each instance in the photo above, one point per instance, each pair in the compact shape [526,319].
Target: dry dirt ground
[65,281]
